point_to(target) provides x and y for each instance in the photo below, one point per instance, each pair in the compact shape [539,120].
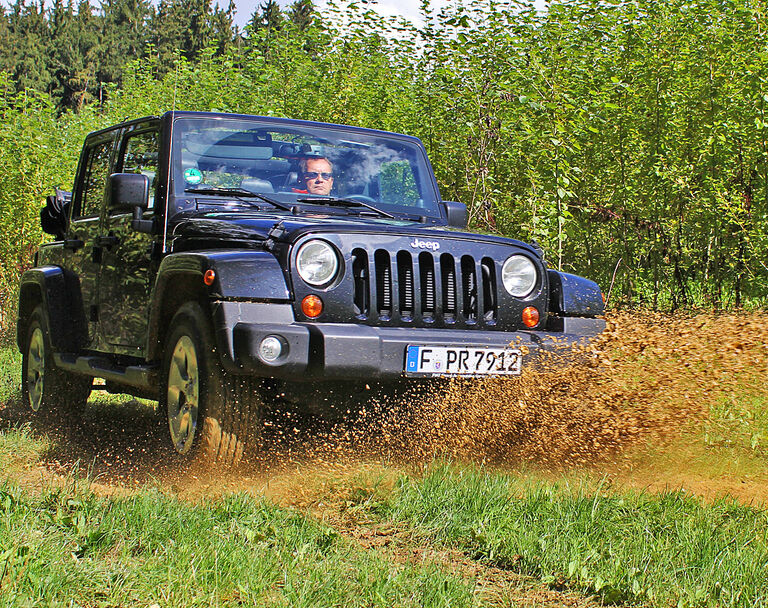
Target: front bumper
[313,351]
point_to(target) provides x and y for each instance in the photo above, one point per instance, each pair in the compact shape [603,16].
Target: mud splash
[646,379]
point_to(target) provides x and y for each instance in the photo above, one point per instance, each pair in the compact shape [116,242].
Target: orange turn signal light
[209,277]
[312,306]
[530,316]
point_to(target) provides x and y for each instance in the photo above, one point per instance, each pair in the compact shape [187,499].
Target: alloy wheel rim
[35,368]
[183,396]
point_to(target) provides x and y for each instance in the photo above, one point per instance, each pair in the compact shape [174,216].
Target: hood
[228,227]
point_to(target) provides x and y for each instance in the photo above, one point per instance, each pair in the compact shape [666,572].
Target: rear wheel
[212,415]
[45,386]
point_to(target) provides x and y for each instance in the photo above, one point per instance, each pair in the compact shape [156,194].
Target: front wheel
[212,415]
[45,386]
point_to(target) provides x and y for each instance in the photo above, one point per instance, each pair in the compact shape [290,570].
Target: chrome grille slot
[405,283]
[362,283]
[427,282]
[469,289]
[383,284]
[489,290]
[448,273]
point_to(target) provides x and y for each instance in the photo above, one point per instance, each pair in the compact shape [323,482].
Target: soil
[629,409]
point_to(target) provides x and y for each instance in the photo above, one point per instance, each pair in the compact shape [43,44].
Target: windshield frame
[433,210]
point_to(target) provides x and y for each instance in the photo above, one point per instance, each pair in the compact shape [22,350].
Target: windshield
[297,163]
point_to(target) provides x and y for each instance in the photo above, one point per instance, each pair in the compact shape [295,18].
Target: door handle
[107,241]
[73,244]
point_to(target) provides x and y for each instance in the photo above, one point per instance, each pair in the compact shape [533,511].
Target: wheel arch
[574,296]
[172,290]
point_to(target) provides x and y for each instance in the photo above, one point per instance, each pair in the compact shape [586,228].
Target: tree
[28,49]
[301,13]
[124,34]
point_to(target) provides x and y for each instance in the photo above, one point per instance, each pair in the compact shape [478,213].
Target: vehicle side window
[140,156]
[97,171]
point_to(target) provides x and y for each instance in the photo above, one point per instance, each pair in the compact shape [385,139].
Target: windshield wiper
[344,202]
[238,193]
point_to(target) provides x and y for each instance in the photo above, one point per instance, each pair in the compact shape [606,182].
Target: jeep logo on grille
[419,244]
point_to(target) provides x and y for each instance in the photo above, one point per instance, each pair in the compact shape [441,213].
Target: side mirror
[457,214]
[130,192]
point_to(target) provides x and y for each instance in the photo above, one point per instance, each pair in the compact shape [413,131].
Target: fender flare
[59,292]
[574,296]
[254,276]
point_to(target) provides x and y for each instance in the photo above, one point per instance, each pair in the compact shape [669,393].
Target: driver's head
[317,175]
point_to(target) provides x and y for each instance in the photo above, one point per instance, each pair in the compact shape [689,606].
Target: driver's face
[314,179]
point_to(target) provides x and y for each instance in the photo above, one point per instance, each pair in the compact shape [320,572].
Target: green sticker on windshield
[193,176]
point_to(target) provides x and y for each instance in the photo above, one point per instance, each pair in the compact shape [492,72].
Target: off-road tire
[213,416]
[45,387]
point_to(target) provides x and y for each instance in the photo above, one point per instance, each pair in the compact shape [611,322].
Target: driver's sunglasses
[315,174]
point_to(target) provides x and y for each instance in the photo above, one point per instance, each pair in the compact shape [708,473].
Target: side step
[139,376]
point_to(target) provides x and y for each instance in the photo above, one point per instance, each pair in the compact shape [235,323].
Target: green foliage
[38,150]
[665,550]
[623,133]
[10,374]
[630,139]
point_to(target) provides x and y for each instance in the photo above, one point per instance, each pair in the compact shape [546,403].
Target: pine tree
[124,34]
[222,26]
[188,26]
[5,39]
[265,23]
[29,46]
[301,14]
[267,16]
[168,28]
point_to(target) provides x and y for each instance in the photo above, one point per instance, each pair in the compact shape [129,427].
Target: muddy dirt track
[648,382]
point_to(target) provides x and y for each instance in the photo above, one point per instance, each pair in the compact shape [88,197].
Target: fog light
[530,316]
[270,349]
[312,306]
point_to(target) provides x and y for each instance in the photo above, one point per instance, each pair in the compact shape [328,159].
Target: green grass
[667,549]
[68,545]
[19,447]
[10,382]
[728,447]
[65,546]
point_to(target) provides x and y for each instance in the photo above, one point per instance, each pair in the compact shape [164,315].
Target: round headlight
[519,276]
[317,262]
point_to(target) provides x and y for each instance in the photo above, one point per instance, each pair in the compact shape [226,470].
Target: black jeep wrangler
[200,254]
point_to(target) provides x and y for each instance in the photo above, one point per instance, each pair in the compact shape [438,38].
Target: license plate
[461,361]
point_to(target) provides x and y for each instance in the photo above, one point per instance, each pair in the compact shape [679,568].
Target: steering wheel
[361,197]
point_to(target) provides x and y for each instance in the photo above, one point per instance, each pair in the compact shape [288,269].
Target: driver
[316,175]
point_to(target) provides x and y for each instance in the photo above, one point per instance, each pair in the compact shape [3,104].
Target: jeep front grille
[427,288]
